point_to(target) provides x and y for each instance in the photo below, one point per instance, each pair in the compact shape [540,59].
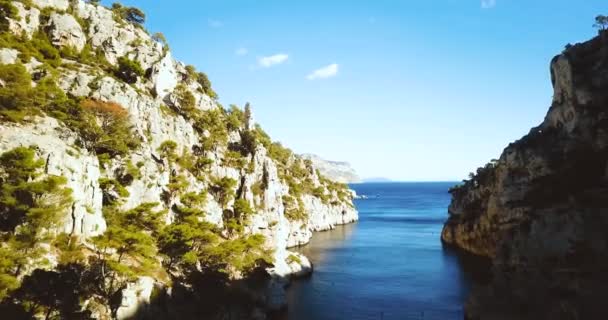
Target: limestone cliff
[289,198]
[338,171]
[540,210]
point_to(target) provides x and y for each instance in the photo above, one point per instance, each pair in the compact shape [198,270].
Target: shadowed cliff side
[541,210]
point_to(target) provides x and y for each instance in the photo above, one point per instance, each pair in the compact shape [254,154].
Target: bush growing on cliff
[29,207]
[19,99]
[234,119]
[186,100]
[39,47]
[103,126]
[7,10]
[234,159]
[126,249]
[130,14]
[112,190]
[223,189]
[242,209]
[167,150]
[601,22]
[212,121]
[128,70]
[16,93]
[54,294]
[294,208]
[106,128]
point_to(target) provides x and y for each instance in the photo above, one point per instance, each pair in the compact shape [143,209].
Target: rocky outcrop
[341,172]
[540,210]
[64,31]
[28,20]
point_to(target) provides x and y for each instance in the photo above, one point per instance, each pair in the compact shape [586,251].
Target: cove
[389,265]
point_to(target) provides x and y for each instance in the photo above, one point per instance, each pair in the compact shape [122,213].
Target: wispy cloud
[324,72]
[488,4]
[272,60]
[241,51]
[213,23]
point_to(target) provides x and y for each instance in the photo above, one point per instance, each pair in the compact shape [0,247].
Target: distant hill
[376,179]
[338,171]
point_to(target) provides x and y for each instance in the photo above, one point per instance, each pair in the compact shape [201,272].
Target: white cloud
[488,4]
[215,23]
[241,51]
[270,61]
[323,73]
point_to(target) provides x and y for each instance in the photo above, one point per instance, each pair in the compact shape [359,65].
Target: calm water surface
[389,265]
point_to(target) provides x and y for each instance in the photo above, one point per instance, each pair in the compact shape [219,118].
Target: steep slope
[337,171]
[541,210]
[150,158]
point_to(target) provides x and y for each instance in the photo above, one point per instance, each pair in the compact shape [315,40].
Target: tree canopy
[601,22]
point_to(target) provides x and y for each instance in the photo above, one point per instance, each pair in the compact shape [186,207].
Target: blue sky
[414,90]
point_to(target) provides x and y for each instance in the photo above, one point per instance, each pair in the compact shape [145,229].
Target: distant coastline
[386,180]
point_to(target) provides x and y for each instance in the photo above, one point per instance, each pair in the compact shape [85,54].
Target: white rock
[57,4]
[8,56]
[164,76]
[65,31]
[134,297]
[28,21]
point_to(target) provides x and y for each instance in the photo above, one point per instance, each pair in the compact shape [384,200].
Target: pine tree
[30,206]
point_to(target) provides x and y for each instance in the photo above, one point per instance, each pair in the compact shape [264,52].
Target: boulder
[65,31]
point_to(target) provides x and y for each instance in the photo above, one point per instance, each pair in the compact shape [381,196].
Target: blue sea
[389,265]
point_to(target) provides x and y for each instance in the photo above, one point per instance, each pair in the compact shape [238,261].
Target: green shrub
[293,258]
[186,100]
[167,150]
[193,199]
[177,184]
[16,93]
[130,14]
[234,159]
[39,47]
[128,174]
[242,210]
[294,208]
[223,189]
[214,122]
[105,127]
[160,37]
[7,11]
[112,190]
[128,70]
[200,167]
[30,206]
[234,119]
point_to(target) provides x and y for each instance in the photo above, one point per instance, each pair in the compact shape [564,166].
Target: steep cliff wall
[186,142]
[540,210]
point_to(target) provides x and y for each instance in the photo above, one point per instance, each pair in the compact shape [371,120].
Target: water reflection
[389,265]
[323,243]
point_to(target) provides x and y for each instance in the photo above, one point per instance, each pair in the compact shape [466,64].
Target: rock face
[65,31]
[337,171]
[56,145]
[151,103]
[541,210]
